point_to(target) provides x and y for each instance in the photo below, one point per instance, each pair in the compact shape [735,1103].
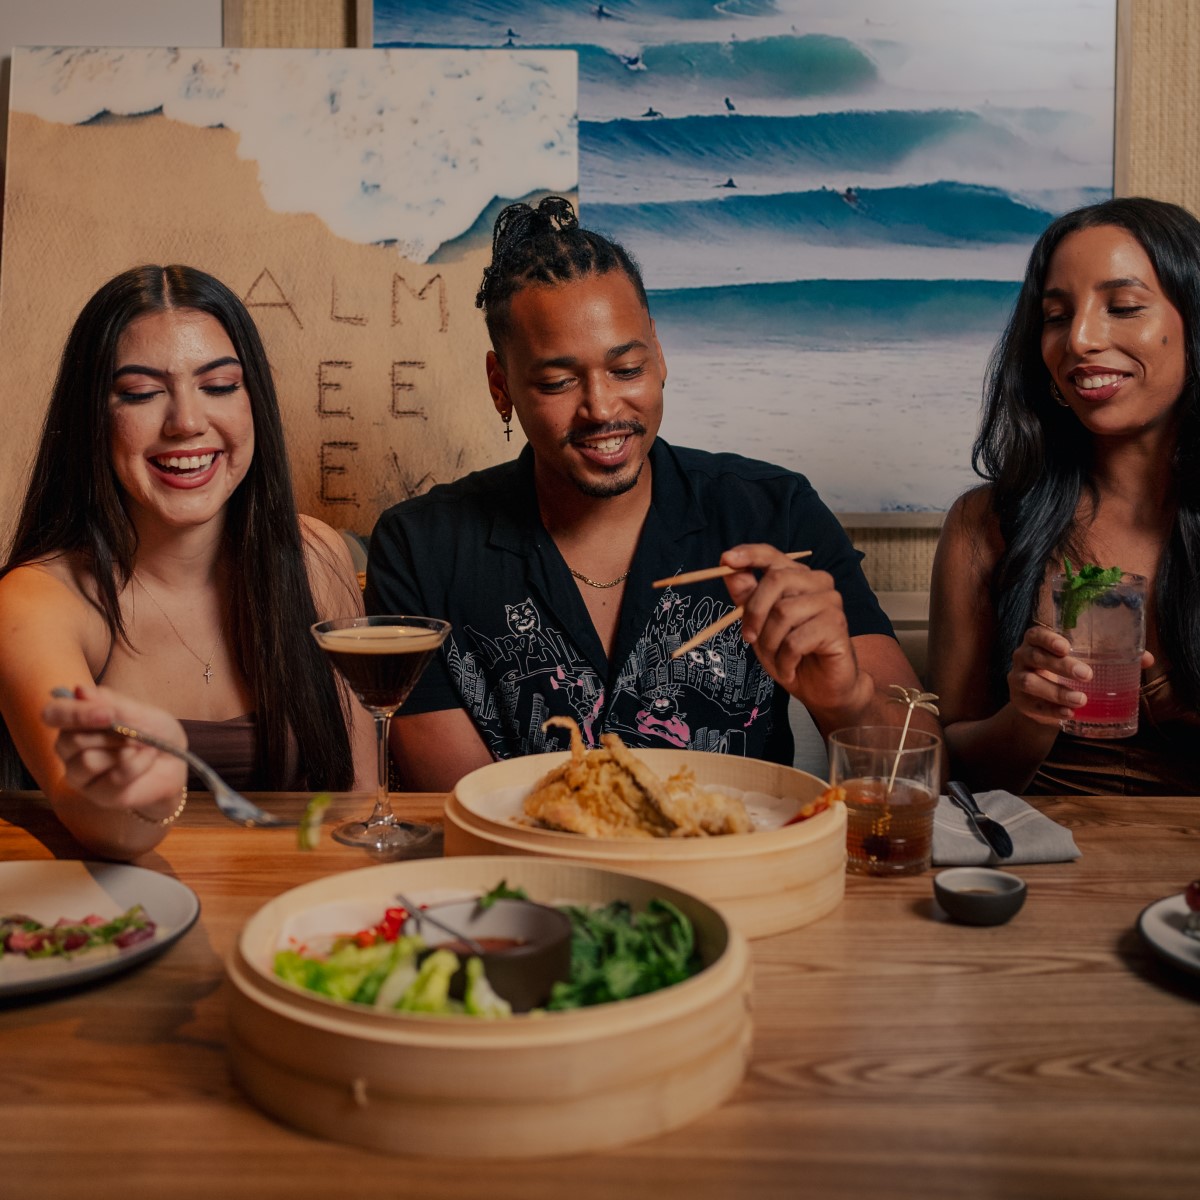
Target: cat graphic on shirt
[526,648]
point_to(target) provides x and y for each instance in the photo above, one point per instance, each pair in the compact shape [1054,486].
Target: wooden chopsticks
[715,572]
[709,631]
[730,617]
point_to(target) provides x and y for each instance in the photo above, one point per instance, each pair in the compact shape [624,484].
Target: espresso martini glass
[381,658]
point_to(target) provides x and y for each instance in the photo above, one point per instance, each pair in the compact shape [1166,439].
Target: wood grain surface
[895,1054]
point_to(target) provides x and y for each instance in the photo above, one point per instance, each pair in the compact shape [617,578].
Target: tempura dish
[786,870]
[610,792]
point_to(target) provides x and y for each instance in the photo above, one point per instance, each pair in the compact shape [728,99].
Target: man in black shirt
[544,565]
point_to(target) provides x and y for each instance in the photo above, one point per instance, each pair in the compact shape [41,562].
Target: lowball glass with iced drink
[891,782]
[1104,619]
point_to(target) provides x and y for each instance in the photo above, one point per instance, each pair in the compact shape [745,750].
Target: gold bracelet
[141,816]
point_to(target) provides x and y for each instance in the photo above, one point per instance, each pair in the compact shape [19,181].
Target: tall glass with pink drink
[1103,616]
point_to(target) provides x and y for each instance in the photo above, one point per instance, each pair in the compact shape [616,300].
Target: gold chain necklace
[595,582]
[205,663]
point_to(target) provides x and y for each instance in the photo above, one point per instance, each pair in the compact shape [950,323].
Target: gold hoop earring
[1058,396]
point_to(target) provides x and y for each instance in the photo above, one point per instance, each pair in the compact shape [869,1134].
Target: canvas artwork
[346,196]
[832,201]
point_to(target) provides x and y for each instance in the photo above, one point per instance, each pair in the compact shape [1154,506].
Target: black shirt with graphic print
[523,646]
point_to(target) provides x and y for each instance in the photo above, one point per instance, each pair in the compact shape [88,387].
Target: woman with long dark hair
[1089,445]
[159,551]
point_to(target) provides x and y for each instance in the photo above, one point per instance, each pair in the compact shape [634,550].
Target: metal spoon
[987,827]
[232,804]
[420,915]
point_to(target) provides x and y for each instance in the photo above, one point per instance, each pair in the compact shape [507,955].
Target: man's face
[583,370]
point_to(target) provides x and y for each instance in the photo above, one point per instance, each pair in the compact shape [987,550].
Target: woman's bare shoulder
[56,580]
[971,532]
[53,598]
[330,569]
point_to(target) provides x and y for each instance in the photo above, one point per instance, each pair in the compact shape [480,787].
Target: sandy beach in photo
[378,360]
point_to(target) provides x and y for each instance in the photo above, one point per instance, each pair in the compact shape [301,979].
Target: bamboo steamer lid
[764,882]
[529,1086]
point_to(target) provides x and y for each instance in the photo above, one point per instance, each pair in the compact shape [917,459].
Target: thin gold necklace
[205,663]
[595,582]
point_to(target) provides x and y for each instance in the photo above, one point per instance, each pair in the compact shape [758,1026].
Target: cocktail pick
[914,698]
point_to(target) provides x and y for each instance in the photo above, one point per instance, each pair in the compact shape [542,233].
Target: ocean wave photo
[847,178]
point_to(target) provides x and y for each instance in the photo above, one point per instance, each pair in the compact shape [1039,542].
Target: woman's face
[181,432]
[1111,340]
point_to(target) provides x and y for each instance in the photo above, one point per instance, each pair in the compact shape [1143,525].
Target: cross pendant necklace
[206,663]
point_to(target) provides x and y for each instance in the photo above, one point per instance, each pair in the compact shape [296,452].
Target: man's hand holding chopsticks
[794,620]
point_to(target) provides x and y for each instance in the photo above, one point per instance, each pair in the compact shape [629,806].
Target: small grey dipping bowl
[979,895]
[524,975]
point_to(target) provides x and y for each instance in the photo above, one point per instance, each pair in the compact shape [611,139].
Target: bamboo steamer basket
[764,882]
[541,1084]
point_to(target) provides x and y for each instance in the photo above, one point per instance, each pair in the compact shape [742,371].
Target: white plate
[47,891]
[1161,924]
[506,806]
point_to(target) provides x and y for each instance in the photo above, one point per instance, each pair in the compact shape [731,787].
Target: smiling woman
[159,551]
[182,433]
[1090,434]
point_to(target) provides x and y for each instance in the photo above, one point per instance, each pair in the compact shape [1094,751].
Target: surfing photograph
[832,202]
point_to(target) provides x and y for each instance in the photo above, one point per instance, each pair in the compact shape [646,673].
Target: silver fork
[232,804]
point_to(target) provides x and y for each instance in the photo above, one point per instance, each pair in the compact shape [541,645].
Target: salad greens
[480,999]
[1082,588]
[501,892]
[381,968]
[615,954]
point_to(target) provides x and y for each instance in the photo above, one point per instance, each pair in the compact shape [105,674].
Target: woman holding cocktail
[159,551]
[1090,444]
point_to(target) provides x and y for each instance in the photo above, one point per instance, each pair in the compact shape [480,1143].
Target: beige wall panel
[375,404]
[319,24]
[1164,101]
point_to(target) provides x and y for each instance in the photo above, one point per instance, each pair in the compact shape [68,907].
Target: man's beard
[616,486]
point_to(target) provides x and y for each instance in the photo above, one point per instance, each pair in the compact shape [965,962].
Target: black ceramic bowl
[523,974]
[979,895]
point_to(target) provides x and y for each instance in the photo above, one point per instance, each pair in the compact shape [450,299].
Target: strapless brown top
[229,746]
[1161,759]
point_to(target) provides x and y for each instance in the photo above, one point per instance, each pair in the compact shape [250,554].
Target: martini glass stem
[382,814]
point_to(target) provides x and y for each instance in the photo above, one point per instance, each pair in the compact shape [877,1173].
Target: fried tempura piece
[610,792]
[591,795]
[698,811]
[688,810]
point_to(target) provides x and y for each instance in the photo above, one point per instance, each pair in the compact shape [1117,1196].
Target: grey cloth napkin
[1035,837]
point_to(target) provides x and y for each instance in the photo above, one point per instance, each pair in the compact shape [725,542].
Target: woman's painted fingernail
[62,693]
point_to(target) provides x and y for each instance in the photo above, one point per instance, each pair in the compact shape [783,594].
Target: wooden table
[896,1055]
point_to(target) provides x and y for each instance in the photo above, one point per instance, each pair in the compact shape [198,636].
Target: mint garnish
[1083,587]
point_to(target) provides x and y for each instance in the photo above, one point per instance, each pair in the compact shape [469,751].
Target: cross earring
[508,426]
